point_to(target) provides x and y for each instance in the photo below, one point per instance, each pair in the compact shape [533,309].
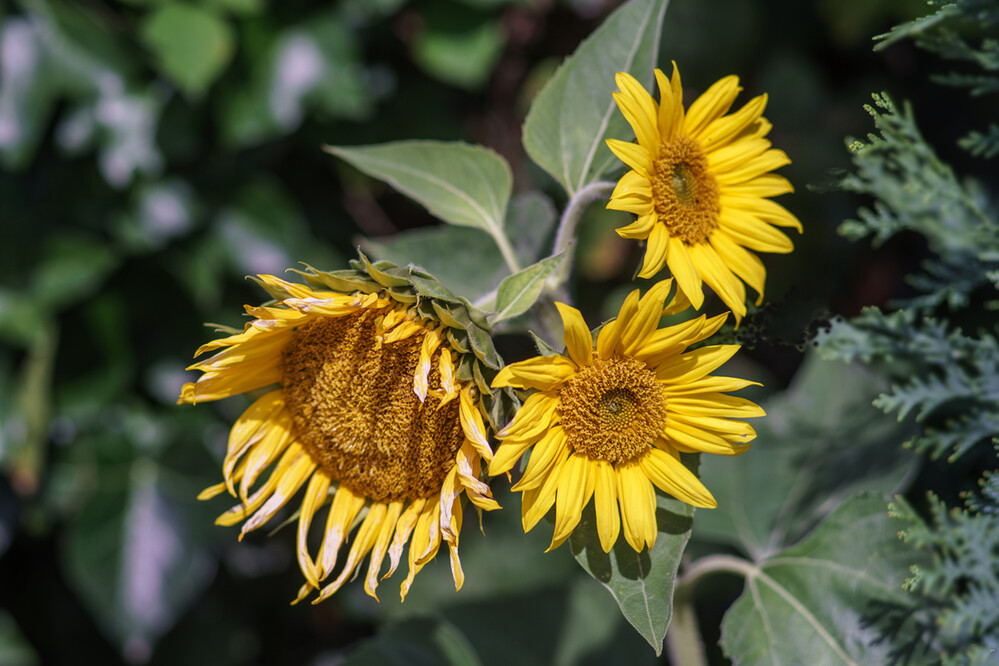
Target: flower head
[375,406]
[611,420]
[699,183]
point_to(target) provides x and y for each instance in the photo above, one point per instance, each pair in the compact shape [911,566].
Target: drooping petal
[578,341]
[541,372]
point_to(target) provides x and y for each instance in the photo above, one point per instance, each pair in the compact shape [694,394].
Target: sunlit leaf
[642,583]
[822,601]
[461,184]
[573,115]
[192,45]
[517,293]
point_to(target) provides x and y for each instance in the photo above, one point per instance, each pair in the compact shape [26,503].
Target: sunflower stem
[684,644]
[566,233]
[507,251]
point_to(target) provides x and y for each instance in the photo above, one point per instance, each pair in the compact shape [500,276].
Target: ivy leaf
[192,45]
[641,583]
[821,441]
[575,112]
[461,184]
[820,602]
[517,293]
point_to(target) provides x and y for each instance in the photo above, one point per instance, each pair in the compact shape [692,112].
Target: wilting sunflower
[373,400]
[611,421]
[699,185]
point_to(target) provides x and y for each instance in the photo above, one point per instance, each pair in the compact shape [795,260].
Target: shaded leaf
[642,583]
[574,113]
[529,224]
[820,601]
[458,45]
[517,293]
[423,642]
[14,648]
[821,441]
[192,45]
[131,552]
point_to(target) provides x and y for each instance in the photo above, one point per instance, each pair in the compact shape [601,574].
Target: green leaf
[132,552]
[575,112]
[423,642]
[642,583]
[464,260]
[72,267]
[517,293]
[239,7]
[529,224]
[821,441]
[461,184]
[820,601]
[458,45]
[191,45]
[14,648]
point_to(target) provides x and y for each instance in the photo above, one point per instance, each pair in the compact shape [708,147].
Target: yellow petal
[575,486]
[744,264]
[472,424]
[403,529]
[380,547]
[507,454]
[765,163]
[693,365]
[421,376]
[638,505]
[605,504]
[609,339]
[536,502]
[764,209]
[688,438]
[578,341]
[541,372]
[670,475]
[315,495]
[641,227]
[656,254]
[710,385]
[767,185]
[343,511]
[638,109]
[640,326]
[748,230]
[363,542]
[533,417]
[720,278]
[548,454]
[722,130]
[632,154]
[683,269]
[714,103]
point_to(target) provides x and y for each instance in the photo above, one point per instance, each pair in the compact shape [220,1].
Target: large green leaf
[192,45]
[820,442]
[529,224]
[575,112]
[461,184]
[642,583]
[821,601]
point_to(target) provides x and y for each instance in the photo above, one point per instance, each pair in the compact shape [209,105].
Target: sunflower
[611,421]
[699,185]
[370,402]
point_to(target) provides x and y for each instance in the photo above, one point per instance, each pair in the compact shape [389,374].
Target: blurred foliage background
[154,152]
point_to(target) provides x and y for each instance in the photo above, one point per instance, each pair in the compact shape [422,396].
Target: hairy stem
[684,644]
[570,220]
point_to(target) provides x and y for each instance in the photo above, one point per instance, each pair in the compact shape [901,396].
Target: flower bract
[370,396]
[610,421]
[700,183]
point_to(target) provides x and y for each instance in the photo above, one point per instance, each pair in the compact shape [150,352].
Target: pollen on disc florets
[613,410]
[684,191]
[354,409]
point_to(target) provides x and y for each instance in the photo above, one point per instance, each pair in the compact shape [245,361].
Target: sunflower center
[684,192]
[354,409]
[613,410]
